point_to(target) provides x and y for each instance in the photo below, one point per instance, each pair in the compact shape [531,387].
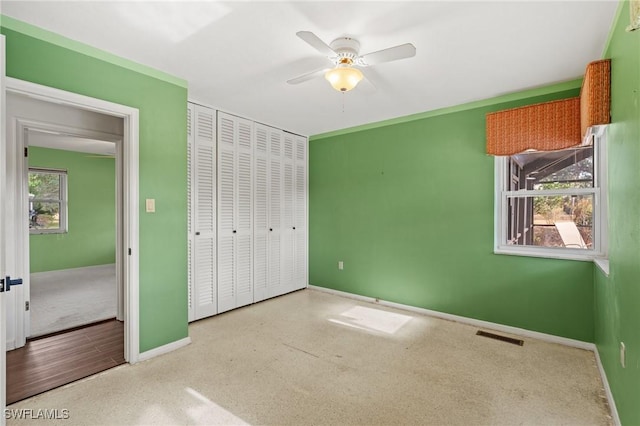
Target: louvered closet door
[226,217]
[261,213]
[244,213]
[300,209]
[275,287]
[287,243]
[204,212]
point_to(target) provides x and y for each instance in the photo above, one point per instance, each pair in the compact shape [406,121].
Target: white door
[275,213]
[203,229]
[300,212]
[235,210]
[287,234]
[244,213]
[226,216]
[261,213]
[3,169]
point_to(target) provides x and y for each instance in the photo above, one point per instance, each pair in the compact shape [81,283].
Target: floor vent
[502,338]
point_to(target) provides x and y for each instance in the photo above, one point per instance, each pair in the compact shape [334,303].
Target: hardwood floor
[55,360]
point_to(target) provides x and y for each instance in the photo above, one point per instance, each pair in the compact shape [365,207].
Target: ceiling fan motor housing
[345,47]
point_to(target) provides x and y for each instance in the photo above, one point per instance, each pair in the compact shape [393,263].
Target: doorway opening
[72,206]
[72,174]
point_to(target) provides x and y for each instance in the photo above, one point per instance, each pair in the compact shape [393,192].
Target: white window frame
[599,251]
[63,223]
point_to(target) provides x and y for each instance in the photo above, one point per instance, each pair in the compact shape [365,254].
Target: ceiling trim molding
[540,91]
[614,24]
[67,43]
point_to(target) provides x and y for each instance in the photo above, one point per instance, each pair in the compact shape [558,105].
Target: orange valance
[595,95]
[547,126]
[555,125]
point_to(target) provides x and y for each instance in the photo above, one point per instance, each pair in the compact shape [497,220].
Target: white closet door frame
[190,203]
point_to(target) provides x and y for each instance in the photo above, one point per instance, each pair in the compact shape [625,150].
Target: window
[47,201]
[553,204]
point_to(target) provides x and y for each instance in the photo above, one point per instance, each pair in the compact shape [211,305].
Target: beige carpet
[314,358]
[71,297]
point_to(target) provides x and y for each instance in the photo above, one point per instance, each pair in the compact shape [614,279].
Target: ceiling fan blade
[402,51]
[316,43]
[370,79]
[308,76]
[366,87]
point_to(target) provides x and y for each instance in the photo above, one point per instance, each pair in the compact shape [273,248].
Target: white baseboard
[465,320]
[607,390]
[11,344]
[161,350]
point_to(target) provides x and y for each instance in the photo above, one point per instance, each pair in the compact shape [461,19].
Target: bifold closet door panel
[300,232]
[261,214]
[226,213]
[275,287]
[202,162]
[287,244]
[244,212]
[235,209]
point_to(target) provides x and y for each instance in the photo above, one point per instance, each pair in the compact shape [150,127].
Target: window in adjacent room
[47,201]
[553,203]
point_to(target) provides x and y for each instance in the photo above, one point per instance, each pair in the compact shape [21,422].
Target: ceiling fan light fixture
[343,78]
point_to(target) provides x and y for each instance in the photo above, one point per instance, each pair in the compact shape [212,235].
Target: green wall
[91,194]
[617,297]
[44,58]
[409,208]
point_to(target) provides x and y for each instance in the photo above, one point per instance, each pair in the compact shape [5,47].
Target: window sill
[603,264]
[46,232]
[564,254]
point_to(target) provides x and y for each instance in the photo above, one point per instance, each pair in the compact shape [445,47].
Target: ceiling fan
[345,55]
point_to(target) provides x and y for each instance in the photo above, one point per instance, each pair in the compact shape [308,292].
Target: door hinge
[26,152]
[129,252]
[26,305]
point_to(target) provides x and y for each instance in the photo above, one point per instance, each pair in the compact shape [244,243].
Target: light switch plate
[151,205]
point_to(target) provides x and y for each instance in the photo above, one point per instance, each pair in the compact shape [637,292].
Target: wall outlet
[340,265]
[623,355]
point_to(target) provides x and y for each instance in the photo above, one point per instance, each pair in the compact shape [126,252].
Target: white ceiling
[237,56]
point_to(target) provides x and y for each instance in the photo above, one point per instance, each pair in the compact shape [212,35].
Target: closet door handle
[234,231]
[197,233]
[294,228]
[270,229]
